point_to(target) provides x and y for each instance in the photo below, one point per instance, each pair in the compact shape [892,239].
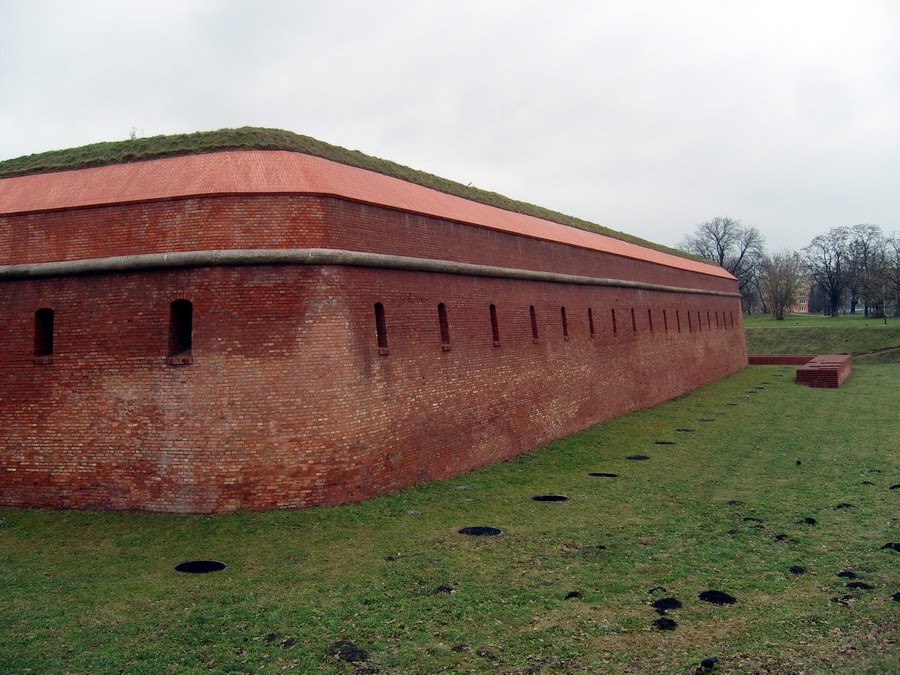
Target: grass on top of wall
[869,340]
[567,587]
[255,138]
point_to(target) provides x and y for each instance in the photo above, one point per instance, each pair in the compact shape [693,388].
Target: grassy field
[566,587]
[869,340]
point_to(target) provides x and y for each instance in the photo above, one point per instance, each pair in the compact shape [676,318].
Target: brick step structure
[828,371]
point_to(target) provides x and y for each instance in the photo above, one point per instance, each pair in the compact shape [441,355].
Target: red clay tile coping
[282,172]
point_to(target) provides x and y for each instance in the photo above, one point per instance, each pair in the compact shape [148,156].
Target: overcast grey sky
[648,116]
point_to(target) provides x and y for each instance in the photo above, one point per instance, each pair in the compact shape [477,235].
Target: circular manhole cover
[549,498]
[200,566]
[603,474]
[481,531]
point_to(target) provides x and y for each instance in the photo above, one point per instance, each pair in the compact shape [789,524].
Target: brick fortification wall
[288,400]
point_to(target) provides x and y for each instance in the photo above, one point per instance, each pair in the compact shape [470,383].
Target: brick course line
[315,256]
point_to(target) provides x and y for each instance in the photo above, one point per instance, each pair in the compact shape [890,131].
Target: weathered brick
[288,401]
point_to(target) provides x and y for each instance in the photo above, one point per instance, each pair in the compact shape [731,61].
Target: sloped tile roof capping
[285,172]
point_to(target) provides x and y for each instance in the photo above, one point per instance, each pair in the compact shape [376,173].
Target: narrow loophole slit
[381,329]
[495,327]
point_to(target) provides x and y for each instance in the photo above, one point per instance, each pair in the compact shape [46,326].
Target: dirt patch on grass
[717,597]
[665,604]
[781,536]
[347,651]
[665,623]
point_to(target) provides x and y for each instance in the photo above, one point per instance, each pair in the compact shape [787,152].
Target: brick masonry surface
[287,400]
[828,371]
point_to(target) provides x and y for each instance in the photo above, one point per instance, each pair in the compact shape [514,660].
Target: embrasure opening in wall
[495,327]
[43,333]
[181,330]
[381,329]
[445,327]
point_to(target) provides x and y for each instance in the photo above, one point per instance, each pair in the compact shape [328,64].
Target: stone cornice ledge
[313,256]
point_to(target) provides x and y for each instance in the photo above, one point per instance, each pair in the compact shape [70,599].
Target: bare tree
[867,251]
[782,278]
[890,274]
[736,247]
[827,259]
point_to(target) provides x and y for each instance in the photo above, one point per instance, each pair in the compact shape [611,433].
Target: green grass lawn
[96,592]
[869,340]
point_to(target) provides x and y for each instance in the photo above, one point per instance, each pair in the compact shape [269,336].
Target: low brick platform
[828,371]
[779,359]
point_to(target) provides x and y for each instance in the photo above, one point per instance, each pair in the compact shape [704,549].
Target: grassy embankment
[255,138]
[723,508]
[869,340]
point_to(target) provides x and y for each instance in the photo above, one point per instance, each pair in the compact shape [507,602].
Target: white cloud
[648,116]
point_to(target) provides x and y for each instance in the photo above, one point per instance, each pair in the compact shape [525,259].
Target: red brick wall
[302,221]
[288,402]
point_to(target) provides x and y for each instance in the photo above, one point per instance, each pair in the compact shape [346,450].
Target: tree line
[843,270]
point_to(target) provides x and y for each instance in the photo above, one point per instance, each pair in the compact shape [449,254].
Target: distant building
[801,301]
